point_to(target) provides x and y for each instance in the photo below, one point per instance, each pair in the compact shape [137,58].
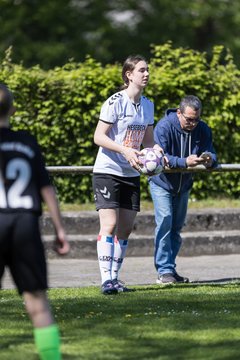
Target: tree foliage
[49,33]
[61,107]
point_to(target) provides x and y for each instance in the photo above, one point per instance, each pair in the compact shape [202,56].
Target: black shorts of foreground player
[126,122]
[24,182]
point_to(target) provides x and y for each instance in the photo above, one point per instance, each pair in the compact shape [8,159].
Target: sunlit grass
[148,205]
[173,322]
[214,203]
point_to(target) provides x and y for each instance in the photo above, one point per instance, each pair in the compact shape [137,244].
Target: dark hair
[6,100]
[192,101]
[129,65]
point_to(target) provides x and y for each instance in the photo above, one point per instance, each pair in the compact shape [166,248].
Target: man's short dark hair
[192,101]
[6,100]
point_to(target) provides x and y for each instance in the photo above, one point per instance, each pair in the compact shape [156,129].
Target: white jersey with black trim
[129,123]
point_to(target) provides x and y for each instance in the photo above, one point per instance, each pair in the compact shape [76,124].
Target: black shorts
[21,249]
[113,192]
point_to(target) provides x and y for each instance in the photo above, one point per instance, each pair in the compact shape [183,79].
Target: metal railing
[88,169]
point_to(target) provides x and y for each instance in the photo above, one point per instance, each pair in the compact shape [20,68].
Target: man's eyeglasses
[190,120]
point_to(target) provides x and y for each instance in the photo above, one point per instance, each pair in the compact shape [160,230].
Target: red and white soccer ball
[150,162]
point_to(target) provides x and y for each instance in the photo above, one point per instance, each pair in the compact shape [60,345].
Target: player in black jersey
[24,183]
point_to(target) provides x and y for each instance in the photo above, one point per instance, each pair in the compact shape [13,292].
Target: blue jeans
[170,215]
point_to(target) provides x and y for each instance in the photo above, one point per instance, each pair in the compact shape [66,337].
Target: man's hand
[194,160]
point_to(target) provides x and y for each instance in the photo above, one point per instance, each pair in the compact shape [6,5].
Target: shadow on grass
[183,321]
[223,281]
[192,284]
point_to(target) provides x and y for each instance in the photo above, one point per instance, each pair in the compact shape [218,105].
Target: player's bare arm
[49,197]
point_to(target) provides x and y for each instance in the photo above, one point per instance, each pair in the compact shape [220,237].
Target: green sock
[47,341]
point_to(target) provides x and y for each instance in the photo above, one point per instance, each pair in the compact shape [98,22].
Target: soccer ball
[150,162]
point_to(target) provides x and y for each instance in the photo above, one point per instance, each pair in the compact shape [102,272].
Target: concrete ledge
[207,232]
[222,242]
[194,244]
[197,220]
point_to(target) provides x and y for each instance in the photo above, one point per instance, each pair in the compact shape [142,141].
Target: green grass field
[148,205]
[173,322]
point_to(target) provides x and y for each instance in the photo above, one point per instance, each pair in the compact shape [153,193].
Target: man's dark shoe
[166,279]
[181,279]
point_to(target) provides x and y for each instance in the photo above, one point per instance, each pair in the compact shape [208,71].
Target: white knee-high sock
[120,248]
[105,256]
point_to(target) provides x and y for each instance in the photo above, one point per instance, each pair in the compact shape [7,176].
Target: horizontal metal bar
[88,169]
[70,169]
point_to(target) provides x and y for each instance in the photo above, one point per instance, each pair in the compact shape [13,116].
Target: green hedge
[61,107]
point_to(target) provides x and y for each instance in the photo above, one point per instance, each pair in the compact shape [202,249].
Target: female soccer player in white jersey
[126,122]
